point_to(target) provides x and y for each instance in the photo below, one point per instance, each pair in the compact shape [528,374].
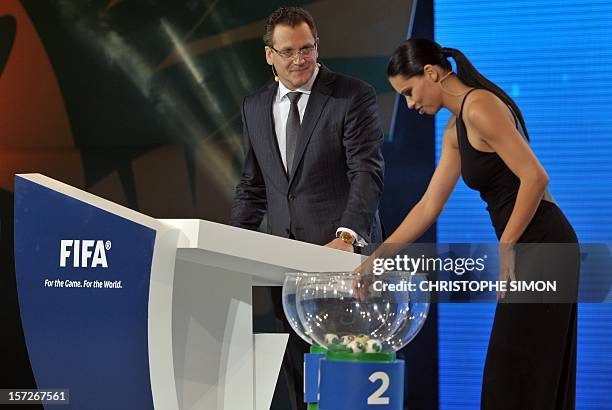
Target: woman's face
[422,94]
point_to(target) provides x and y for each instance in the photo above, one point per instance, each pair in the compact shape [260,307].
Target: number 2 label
[376,397]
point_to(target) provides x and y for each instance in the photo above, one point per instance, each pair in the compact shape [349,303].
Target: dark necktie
[293,129]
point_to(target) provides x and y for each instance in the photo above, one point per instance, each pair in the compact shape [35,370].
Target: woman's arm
[429,207]
[427,210]
[492,121]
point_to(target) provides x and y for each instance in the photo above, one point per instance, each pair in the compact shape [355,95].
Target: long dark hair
[410,58]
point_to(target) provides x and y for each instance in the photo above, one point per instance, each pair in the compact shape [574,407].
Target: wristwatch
[346,237]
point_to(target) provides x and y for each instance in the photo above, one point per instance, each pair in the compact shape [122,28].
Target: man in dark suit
[313,157]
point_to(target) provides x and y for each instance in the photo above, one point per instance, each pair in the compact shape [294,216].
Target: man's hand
[340,245]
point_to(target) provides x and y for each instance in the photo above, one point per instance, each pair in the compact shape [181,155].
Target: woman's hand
[507,269]
[362,283]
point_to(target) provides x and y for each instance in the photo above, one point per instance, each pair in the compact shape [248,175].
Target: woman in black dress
[531,358]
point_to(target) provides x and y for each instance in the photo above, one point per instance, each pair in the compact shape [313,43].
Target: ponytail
[410,58]
[470,76]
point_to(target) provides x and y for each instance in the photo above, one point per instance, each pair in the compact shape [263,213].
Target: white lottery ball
[362,338]
[331,339]
[347,339]
[373,346]
[356,346]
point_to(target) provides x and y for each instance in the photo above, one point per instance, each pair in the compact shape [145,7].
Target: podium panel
[85,278]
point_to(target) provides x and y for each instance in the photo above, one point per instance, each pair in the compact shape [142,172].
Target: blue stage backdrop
[555,59]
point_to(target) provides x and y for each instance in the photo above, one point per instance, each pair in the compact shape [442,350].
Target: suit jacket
[337,177]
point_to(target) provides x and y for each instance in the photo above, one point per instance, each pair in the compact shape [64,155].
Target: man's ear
[269,55]
[431,73]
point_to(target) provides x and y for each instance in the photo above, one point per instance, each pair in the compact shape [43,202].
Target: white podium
[215,353]
[179,290]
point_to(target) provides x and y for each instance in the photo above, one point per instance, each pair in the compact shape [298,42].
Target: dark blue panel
[90,340]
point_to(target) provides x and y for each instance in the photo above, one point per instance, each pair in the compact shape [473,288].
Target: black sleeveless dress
[531,358]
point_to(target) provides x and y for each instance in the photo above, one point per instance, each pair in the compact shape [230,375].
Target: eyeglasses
[305,52]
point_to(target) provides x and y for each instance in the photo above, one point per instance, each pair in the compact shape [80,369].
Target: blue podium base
[361,385]
[311,376]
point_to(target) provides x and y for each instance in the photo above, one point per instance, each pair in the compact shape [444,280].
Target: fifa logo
[84,253]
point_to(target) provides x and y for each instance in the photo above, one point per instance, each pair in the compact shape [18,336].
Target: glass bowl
[360,313]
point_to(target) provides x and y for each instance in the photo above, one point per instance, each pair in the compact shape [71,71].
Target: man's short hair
[290,16]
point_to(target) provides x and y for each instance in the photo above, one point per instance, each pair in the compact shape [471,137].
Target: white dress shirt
[280,113]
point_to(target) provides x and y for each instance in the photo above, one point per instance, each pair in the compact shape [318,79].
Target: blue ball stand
[361,381]
[311,375]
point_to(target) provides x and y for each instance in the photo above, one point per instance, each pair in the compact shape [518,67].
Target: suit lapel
[319,95]
[270,131]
